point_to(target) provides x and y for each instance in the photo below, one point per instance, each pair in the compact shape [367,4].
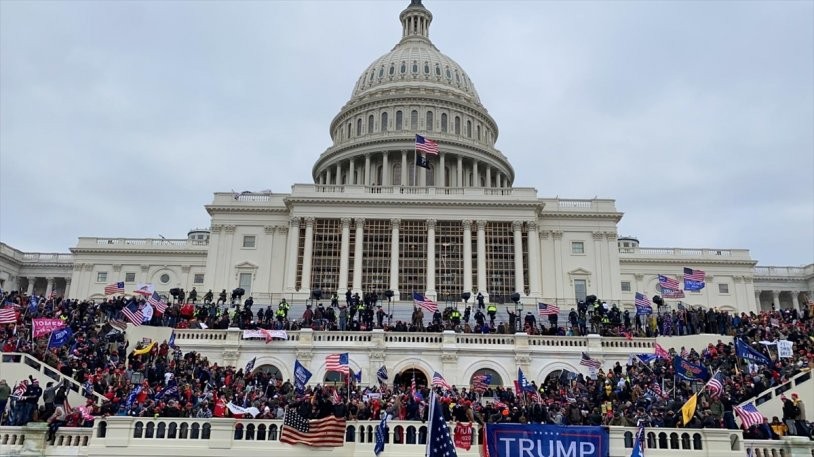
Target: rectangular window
[129,277]
[577,247]
[723,288]
[198,279]
[625,286]
[248,241]
[101,276]
[245,281]
[580,289]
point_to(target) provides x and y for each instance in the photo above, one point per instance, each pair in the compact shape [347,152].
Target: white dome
[415,61]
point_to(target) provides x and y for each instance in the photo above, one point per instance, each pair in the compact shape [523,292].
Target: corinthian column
[534,260]
[431,258]
[291,254]
[519,283]
[467,260]
[307,256]
[344,254]
[395,224]
[357,256]
[482,257]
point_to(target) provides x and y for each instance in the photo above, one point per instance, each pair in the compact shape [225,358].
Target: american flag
[425,303]
[426,145]
[335,398]
[439,441]
[684,352]
[338,362]
[668,283]
[414,389]
[643,305]
[481,382]
[661,352]
[749,415]
[693,275]
[548,310]
[326,432]
[8,316]
[656,389]
[438,380]
[157,303]
[715,385]
[587,361]
[118,324]
[115,288]
[133,313]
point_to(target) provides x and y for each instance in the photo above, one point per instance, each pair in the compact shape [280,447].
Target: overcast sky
[122,118]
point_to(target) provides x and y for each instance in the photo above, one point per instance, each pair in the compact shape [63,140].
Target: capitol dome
[412,90]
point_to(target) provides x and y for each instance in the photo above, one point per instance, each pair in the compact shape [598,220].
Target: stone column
[482,257]
[534,260]
[404,181]
[459,170]
[31,281]
[395,224]
[442,170]
[489,179]
[338,173]
[385,169]
[291,255]
[757,299]
[351,172]
[344,254]
[49,287]
[500,180]
[328,176]
[307,256]
[431,258]
[357,255]
[795,302]
[67,288]
[475,180]
[519,283]
[467,260]
[367,180]
[776,298]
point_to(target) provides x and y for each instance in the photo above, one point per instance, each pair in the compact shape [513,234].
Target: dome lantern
[415,21]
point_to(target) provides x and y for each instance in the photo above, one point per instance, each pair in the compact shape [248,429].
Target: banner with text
[518,440]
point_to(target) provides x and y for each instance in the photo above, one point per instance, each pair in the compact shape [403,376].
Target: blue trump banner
[301,376]
[59,337]
[689,371]
[520,440]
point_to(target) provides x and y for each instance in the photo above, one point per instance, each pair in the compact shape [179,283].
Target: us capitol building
[370,222]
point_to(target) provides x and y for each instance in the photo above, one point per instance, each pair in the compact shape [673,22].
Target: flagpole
[415,162]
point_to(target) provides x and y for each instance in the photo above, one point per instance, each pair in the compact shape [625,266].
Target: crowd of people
[169,381]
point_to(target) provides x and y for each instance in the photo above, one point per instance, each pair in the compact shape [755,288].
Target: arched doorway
[405,378]
[485,377]
[270,370]
[558,378]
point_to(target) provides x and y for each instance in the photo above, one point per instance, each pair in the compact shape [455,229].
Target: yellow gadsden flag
[688,410]
[146,350]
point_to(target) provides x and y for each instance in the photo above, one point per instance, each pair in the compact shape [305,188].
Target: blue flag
[439,441]
[689,371]
[171,342]
[381,434]
[381,375]
[358,376]
[638,442]
[132,397]
[301,376]
[744,351]
[647,358]
[525,385]
[33,303]
[60,337]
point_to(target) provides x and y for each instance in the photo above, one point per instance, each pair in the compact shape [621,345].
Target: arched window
[415,67]
[429,122]
[383,126]
[492,379]
[347,136]
[359,127]
[437,70]
[449,74]
[403,68]
[396,177]
[381,71]
[370,124]
[457,125]
[469,129]
[414,120]
[372,73]
[477,129]
[399,120]
[443,122]
[426,68]
[392,69]
[457,78]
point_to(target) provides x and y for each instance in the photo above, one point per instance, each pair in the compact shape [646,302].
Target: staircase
[16,366]
[769,402]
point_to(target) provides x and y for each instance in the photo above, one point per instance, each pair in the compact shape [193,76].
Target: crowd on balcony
[169,381]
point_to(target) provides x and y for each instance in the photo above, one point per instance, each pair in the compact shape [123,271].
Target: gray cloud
[122,118]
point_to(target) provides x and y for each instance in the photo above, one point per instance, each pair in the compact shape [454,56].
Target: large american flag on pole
[715,385]
[749,415]
[326,432]
[424,302]
[548,310]
[587,361]
[426,145]
[115,288]
[438,380]
[133,313]
[157,303]
[8,316]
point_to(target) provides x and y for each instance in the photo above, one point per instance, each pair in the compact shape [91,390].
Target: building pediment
[579,272]
[246,266]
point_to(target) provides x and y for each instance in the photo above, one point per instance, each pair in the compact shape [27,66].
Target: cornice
[394,202]
[580,215]
[683,261]
[240,209]
[202,252]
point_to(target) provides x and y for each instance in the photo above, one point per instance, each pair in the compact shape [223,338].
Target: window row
[130,277]
[415,68]
[456,124]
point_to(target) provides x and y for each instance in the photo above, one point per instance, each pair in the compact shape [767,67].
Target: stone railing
[34,257]
[11,360]
[680,252]
[139,243]
[314,190]
[785,272]
[123,436]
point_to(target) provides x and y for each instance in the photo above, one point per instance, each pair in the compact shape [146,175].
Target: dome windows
[415,67]
[347,136]
[444,122]
[449,74]
[414,120]
[469,129]
[457,125]
[426,68]
[403,68]
[359,127]
[429,121]
[372,74]
[399,120]
[370,124]
[381,71]
[477,131]
[392,69]
[384,126]
[457,78]
[438,70]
